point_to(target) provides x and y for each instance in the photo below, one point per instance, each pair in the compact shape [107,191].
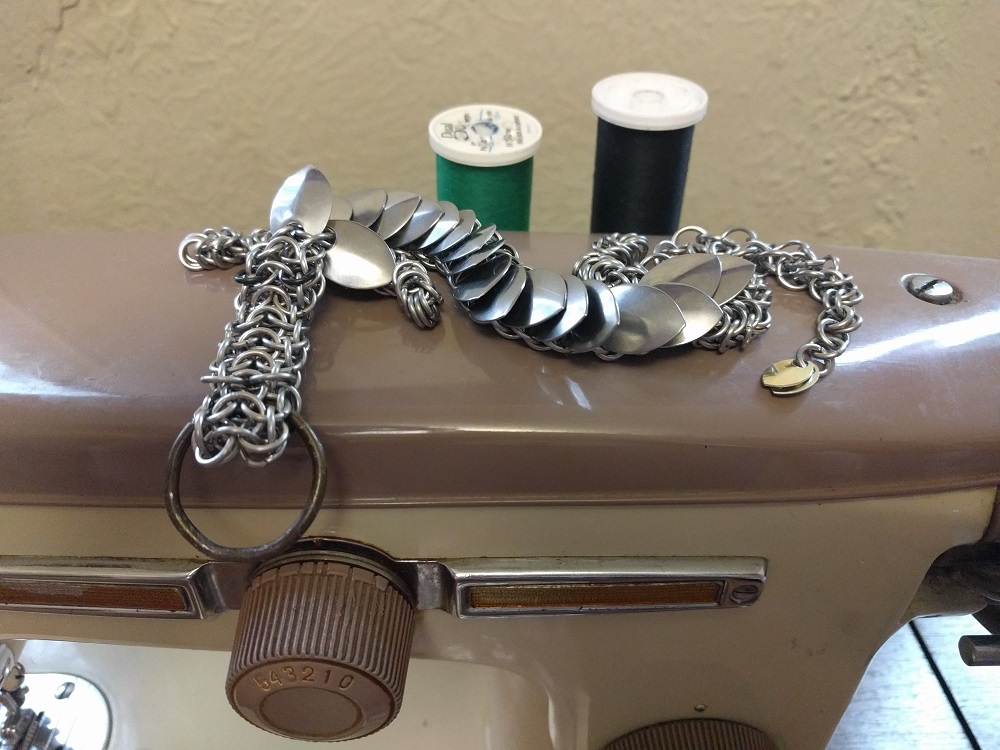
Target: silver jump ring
[291,535]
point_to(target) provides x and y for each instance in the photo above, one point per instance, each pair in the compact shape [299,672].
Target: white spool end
[485,135]
[649,101]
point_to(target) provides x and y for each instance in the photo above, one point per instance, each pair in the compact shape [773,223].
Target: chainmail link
[257,371]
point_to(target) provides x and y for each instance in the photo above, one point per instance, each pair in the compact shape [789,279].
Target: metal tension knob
[322,646]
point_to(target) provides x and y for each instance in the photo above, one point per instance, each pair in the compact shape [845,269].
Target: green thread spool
[485,155]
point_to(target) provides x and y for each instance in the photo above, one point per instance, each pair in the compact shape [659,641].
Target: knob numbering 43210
[322,646]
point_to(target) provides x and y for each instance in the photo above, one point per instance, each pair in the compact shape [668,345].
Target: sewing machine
[580,549]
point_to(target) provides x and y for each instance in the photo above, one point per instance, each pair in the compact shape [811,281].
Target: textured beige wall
[870,122]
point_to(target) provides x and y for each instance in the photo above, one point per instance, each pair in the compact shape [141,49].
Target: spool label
[485,135]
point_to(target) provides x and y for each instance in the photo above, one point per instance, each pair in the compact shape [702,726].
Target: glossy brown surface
[103,339]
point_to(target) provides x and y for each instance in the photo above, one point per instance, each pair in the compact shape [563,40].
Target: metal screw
[931,289]
[65,690]
[744,594]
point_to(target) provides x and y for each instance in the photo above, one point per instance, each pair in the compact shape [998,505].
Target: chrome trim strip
[741,578]
[208,588]
[213,587]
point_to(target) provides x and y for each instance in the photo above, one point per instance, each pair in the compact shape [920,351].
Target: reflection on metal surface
[600,322]
[448,221]
[359,259]
[577,304]
[479,239]
[701,312]
[342,209]
[502,298]
[305,197]
[428,214]
[466,225]
[698,270]
[736,275]
[399,209]
[7,662]
[649,319]
[543,298]
[480,281]
[367,205]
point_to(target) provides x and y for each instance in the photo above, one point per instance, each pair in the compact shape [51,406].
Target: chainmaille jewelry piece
[258,368]
[693,288]
[620,299]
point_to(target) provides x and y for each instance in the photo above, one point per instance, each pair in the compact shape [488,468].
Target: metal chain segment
[257,371]
[412,286]
[258,368]
[224,248]
[620,259]
[218,248]
[614,259]
[796,267]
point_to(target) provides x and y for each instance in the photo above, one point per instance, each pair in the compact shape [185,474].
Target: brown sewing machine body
[456,444]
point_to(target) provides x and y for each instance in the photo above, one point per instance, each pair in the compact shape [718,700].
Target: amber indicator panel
[81,596]
[583,597]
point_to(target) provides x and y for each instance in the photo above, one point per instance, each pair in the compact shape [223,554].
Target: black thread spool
[644,131]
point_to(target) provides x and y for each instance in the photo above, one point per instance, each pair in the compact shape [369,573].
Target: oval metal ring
[187,529]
